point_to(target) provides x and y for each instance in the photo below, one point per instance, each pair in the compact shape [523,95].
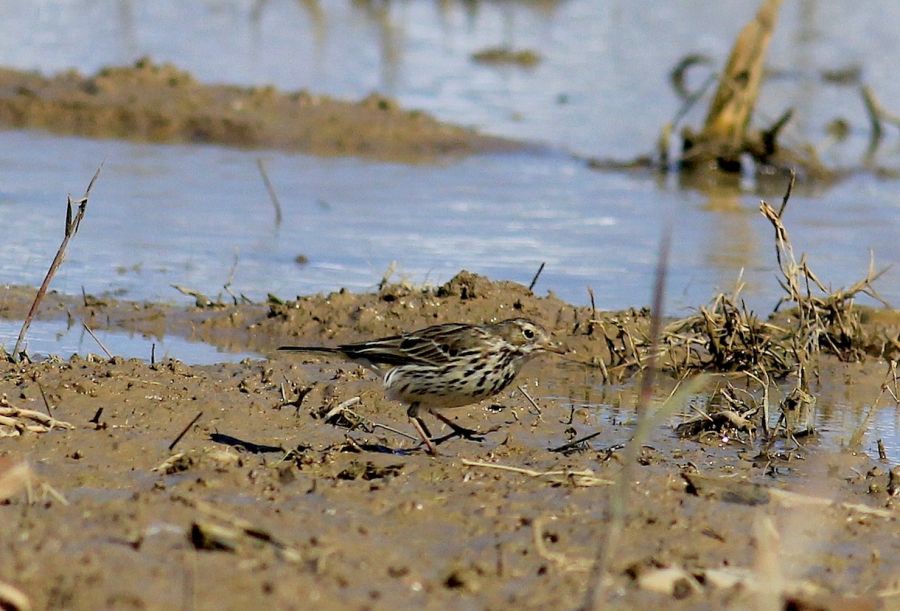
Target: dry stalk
[19,420]
[537,275]
[185,430]
[583,478]
[825,319]
[341,415]
[599,574]
[890,387]
[726,336]
[270,189]
[73,222]
[97,339]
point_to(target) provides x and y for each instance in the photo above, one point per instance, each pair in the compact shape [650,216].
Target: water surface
[163,215]
[63,339]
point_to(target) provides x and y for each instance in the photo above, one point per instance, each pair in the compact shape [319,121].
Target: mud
[160,103]
[264,501]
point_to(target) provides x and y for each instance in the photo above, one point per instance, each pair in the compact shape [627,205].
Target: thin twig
[593,312]
[72,224]
[619,501]
[271,189]
[230,279]
[872,108]
[536,276]
[568,446]
[787,194]
[343,408]
[340,407]
[534,404]
[53,492]
[579,478]
[184,432]
[378,425]
[96,339]
[44,397]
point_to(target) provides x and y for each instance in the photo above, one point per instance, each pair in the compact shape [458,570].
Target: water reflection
[164,215]
[64,338]
[844,412]
[733,240]
[595,56]
[600,89]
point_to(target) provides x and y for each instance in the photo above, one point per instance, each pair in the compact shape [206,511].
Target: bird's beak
[554,347]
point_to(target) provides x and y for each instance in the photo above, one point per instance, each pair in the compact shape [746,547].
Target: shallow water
[199,216]
[601,88]
[57,337]
[838,427]
[182,214]
[165,215]
[186,215]
[841,412]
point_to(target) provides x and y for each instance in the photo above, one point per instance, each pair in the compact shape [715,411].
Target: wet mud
[297,484]
[151,102]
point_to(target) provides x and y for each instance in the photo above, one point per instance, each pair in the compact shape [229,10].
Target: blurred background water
[65,338]
[189,215]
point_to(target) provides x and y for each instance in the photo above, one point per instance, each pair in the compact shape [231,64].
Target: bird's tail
[319,349]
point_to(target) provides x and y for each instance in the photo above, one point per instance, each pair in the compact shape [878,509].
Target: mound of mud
[160,103]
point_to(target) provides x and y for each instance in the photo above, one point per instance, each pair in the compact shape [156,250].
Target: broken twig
[184,431]
[270,189]
[73,222]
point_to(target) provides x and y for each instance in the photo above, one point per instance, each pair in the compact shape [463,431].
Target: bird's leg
[421,427]
[465,433]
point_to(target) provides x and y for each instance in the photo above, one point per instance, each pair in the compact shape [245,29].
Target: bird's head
[526,336]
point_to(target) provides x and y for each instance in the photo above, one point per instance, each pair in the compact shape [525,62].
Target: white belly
[440,387]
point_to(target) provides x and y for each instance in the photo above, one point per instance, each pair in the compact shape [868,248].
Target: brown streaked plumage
[447,365]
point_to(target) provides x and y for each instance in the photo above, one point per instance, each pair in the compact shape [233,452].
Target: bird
[447,365]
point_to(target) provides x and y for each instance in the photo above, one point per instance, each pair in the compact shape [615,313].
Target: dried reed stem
[536,276]
[619,499]
[270,189]
[184,431]
[72,225]
[96,339]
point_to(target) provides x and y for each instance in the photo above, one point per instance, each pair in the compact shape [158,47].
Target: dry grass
[73,222]
[756,354]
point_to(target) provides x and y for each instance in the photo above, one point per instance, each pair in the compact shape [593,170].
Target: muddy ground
[264,501]
[161,103]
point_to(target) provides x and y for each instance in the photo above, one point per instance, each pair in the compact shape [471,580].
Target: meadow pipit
[447,365]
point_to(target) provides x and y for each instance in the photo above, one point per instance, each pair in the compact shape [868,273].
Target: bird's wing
[433,346]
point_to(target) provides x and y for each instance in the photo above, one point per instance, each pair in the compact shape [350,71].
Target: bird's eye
[528,333]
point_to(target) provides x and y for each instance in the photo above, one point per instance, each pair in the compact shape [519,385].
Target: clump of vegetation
[726,337]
